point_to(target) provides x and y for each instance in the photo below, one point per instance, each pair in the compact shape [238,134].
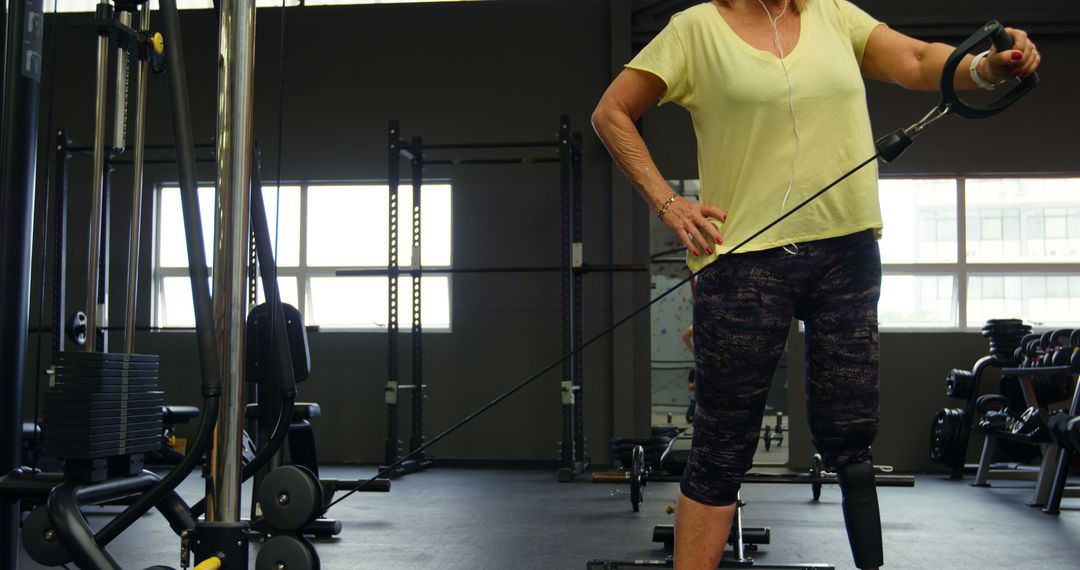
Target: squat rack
[573,456]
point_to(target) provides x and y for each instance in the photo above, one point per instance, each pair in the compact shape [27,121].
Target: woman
[775,89]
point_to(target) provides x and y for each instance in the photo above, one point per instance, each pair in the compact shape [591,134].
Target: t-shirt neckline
[759,53]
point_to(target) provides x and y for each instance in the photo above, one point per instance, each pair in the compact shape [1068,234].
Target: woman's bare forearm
[617,130]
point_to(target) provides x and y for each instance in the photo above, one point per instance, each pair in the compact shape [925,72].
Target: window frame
[302,272]
[963,269]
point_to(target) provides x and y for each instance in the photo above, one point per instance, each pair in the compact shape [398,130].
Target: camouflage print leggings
[742,314]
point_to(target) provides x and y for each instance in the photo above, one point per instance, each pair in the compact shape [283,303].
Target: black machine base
[227,541]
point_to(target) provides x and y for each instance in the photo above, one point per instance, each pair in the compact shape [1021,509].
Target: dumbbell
[1034,422]
[1074,360]
[994,420]
[1065,430]
[1063,348]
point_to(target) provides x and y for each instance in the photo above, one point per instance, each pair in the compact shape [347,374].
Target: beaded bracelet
[664,208]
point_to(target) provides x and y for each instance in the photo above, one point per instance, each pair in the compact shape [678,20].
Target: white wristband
[974,69]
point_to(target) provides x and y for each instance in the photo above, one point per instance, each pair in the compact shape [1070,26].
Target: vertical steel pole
[236,63]
[97,187]
[18,159]
[567,452]
[581,453]
[393,179]
[60,241]
[416,435]
[135,235]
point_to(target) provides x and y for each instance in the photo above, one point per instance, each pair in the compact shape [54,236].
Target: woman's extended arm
[916,65]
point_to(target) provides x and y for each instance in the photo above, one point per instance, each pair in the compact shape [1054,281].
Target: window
[1017,256]
[90,5]
[319,231]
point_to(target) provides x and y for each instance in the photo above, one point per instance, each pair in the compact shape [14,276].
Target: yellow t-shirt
[738,98]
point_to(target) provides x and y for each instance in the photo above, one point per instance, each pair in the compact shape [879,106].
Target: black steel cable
[390,468]
[36,449]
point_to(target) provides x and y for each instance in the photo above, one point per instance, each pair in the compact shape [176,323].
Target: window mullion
[961,252]
[302,271]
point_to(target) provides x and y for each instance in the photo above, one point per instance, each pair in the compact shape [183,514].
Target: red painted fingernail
[695,252]
[1016,73]
[1017,55]
[719,240]
[710,251]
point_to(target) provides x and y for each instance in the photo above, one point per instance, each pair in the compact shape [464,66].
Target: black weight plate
[118,436]
[105,424]
[117,446]
[136,380]
[96,451]
[817,468]
[637,478]
[290,497]
[124,387]
[144,398]
[92,455]
[285,552]
[72,413]
[35,538]
[82,384]
[141,420]
[138,370]
[99,357]
[118,406]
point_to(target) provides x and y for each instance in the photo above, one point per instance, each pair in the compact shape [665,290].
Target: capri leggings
[742,314]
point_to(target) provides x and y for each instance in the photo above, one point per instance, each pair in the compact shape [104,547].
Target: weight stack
[102,412]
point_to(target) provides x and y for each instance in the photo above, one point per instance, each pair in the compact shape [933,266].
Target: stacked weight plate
[1004,336]
[102,405]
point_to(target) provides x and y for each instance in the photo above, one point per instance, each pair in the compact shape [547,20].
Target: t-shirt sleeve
[859,25]
[666,57]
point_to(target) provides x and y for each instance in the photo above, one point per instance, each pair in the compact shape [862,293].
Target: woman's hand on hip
[690,222]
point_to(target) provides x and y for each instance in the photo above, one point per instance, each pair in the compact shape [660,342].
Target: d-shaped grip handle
[996,33]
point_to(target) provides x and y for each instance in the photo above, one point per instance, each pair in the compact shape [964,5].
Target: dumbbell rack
[950,431]
[1058,359]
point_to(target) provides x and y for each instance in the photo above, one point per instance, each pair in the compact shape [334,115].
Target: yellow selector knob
[158,42]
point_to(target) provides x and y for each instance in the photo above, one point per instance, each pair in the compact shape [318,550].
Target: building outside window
[321,228]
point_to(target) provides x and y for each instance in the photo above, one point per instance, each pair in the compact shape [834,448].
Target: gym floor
[450,518]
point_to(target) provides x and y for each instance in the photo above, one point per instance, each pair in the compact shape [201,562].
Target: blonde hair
[800,5]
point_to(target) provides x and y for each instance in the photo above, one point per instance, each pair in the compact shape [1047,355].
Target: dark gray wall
[506,70]
[1037,135]
[452,73]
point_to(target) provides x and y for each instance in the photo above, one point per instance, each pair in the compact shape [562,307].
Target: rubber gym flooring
[452,518]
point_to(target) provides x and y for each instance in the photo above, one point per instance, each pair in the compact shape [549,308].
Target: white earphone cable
[791,248]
